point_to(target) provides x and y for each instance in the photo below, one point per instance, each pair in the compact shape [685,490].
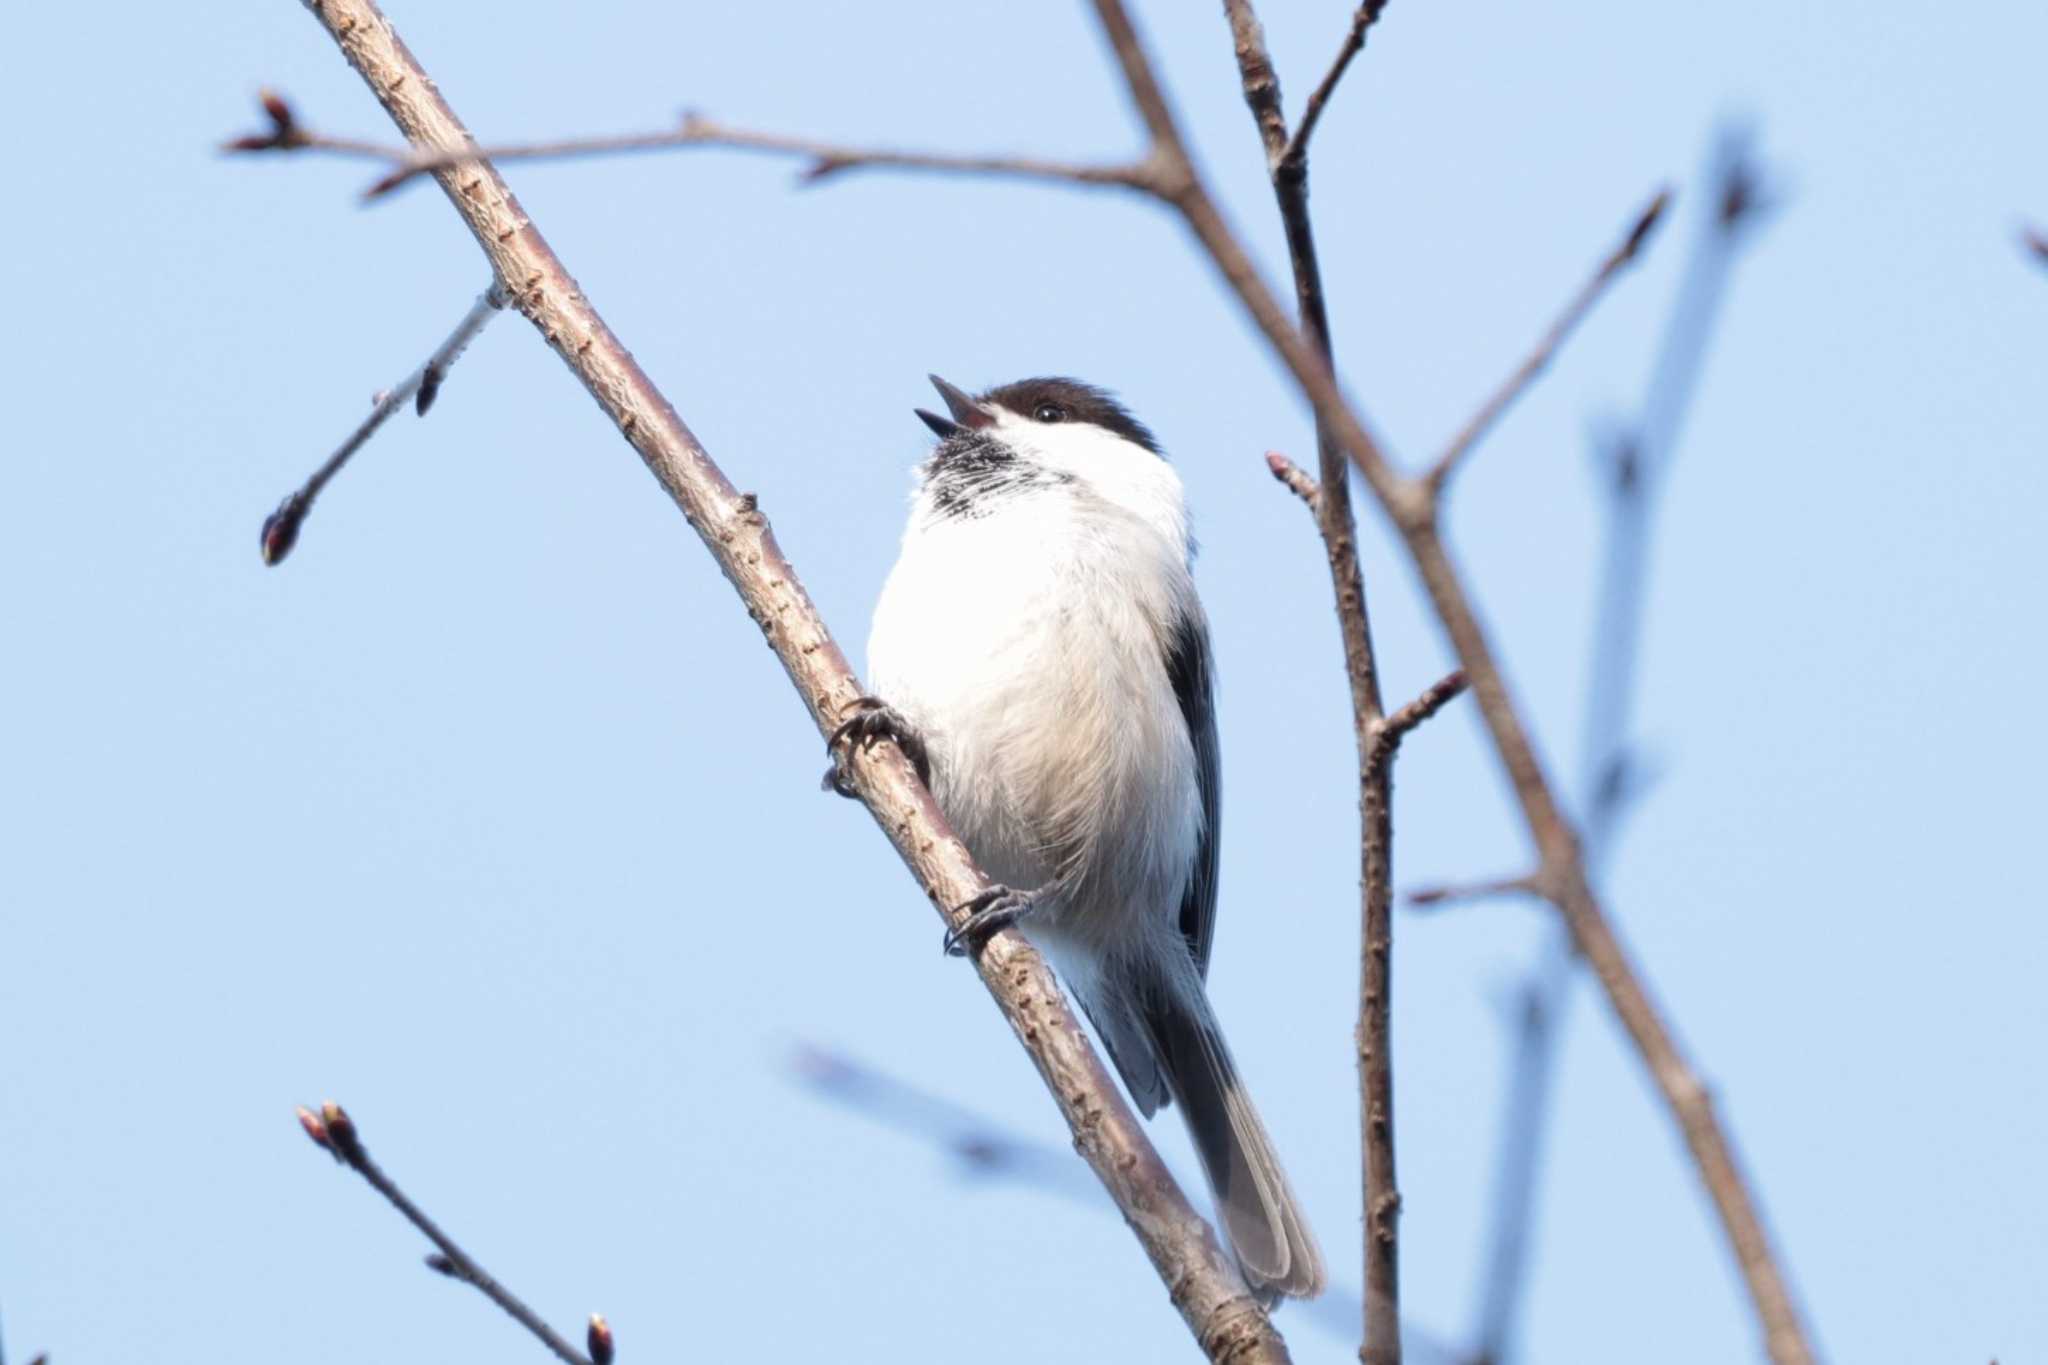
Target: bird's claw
[995,909]
[873,719]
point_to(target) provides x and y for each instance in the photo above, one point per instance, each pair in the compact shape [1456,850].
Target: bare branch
[336,1133]
[1201,1280]
[423,385]
[1261,83]
[1462,893]
[1366,16]
[1388,733]
[287,134]
[825,159]
[1547,346]
[1330,503]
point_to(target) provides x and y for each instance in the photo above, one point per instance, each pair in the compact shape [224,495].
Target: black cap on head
[1056,399]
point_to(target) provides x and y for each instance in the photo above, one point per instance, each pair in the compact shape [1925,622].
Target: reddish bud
[341,1133]
[600,1341]
[315,1129]
[280,112]
[430,388]
[441,1265]
[281,529]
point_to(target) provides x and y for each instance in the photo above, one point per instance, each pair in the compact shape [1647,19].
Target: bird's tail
[1265,1227]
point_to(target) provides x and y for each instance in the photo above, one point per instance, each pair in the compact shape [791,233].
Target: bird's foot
[997,908]
[873,719]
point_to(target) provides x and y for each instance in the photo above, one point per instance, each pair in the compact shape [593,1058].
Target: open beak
[966,412]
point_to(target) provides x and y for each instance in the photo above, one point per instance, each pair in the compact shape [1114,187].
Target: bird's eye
[1049,412]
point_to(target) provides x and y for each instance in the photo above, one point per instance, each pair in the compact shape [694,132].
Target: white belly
[1031,659]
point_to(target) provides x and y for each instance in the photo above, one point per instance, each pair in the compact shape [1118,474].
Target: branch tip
[1295,477]
[1645,225]
[281,532]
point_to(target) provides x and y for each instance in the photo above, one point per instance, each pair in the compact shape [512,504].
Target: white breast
[1027,643]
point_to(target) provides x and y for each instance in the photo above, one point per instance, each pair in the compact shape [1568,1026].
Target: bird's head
[1043,433]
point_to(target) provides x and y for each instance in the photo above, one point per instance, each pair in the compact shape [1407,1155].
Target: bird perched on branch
[1039,652]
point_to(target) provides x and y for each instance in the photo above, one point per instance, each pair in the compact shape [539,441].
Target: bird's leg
[873,719]
[999,907]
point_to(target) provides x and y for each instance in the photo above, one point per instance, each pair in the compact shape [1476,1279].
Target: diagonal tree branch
[1538,360]
[1329,500]
[423,385]
[1296,149]
[335,1133]
[1204,1286]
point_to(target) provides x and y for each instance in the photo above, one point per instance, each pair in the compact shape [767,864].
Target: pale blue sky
[488,815]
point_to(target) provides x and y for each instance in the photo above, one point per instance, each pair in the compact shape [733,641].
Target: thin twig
[1364,18]
[825,158]
[335,1132]
[1200,1278]
[1547,346]
[1390,731]
[1329,501]
[287,134]
[423,385]
[1632,466]
[1463,893]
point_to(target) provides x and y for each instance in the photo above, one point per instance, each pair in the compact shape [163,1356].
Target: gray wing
[1189,667]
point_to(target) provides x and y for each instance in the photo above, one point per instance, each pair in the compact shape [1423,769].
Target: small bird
[1040,654]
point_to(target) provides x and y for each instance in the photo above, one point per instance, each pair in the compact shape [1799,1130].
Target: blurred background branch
[1631,466]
